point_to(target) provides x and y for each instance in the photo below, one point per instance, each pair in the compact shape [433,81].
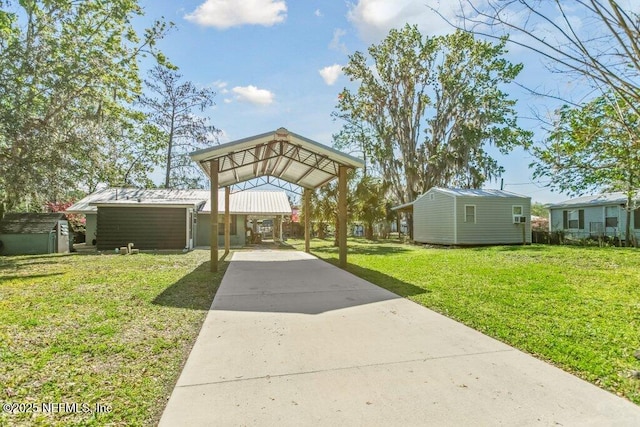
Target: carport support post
[213,173]
[227,221]
[307,219]
[342,216]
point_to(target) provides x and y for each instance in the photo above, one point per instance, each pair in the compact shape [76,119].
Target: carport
[278,158]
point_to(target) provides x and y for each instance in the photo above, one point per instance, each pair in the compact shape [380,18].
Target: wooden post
[342,216]
[307,220]
[213,167]
[227,221]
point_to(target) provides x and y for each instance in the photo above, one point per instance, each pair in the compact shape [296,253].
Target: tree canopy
[172,107]
[595,40]
[68,74]
[593,147]
[433,106]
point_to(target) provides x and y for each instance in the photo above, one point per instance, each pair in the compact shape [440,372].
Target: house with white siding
[447,216]
[594,216]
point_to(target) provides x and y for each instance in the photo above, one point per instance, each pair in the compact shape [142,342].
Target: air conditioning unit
[519,219]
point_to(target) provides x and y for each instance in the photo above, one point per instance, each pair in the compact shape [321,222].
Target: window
[470,213]
[636,219]
[611,216]
[573,220]
[517,212]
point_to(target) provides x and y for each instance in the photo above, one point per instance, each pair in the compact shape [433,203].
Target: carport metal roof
[286,157]
[280,154]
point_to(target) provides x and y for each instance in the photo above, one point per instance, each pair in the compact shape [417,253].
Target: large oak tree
[433,105]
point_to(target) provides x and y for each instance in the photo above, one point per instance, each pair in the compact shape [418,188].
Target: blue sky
[276,63]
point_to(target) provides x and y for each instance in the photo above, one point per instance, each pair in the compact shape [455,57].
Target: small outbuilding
[445,216]
[34,233]
[173,219]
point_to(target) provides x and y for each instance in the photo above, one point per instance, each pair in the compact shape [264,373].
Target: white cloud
[253,95]
[223,14]
[335,43]
[318,13]
[331,73]
[374,18]
[220,86]
[228,101]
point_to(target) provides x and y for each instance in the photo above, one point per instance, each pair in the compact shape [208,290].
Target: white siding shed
[471,217]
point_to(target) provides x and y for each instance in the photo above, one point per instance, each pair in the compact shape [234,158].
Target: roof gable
[281,154]
[30,223]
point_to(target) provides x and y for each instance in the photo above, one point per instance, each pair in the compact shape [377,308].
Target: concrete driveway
[293,341]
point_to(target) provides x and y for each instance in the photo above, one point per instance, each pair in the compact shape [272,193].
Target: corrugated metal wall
[145,227]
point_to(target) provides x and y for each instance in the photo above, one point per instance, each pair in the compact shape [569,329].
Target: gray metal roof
[245,202]
[279,154]
[476,192]
[467,192]
[616,198]
[29,223]
[137,195]
[254,203]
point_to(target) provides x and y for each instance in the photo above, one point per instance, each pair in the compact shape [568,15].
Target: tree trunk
[368,231]
[409,217]
[169,149]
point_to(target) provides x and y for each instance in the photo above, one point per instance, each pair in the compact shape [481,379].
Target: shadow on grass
[7,264]
[369,249]
[195,290]
[512,248]
[269,245]
[26,276]
[390,283]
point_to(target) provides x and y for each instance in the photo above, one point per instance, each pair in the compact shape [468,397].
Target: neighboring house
[471,217]
[34,233]
[594,216]
[171,219]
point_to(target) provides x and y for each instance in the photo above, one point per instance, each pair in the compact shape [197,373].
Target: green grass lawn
[98,329]
[576,307]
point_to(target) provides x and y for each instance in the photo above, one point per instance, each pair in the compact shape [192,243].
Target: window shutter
[565,220]
[581,219]
[636,219]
